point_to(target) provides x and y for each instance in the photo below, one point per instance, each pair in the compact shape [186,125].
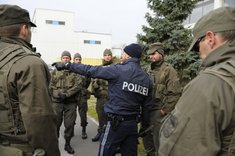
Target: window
[91,42]
[230,3]
[201,9]
[53,22]
[97,42]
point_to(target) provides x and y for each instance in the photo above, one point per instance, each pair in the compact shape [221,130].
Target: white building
[203,8]
[55,33]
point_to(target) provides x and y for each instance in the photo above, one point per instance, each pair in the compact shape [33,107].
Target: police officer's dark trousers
[125,136]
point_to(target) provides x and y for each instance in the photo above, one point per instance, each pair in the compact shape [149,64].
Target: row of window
[203,8]
[91,42]
[54,22]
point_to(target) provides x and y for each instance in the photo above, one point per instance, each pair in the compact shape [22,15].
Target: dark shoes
[84,135]
[96,138]
[69,149]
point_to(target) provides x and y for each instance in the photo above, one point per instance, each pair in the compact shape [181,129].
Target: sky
[121,18]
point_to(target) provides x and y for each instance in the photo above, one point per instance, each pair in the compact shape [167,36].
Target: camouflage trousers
[67,113]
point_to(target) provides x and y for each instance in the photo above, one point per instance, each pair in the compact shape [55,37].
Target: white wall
[51,40]
[218,3]
[92,50]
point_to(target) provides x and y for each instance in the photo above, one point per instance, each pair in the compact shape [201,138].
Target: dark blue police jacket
[129,87]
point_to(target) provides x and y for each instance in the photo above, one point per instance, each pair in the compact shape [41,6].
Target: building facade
[203,8]
[55,32]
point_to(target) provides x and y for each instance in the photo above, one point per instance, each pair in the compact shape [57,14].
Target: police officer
[83,97]
[65,87]
[27,122]
[99,89]
[202,123]
[130,94]
[166,93]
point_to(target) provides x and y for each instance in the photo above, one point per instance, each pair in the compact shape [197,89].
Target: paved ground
[82,147]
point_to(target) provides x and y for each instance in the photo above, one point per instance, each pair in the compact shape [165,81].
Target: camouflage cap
[77,55]
[156,47]
[217,20]
[13,14]
[107,51]
[66,53]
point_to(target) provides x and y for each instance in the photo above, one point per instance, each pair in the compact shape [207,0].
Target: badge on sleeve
[169,125]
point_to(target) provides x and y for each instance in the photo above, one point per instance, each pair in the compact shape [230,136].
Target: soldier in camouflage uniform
[166,93]
[65,87]
[83,97]
[27,120]
[99,89]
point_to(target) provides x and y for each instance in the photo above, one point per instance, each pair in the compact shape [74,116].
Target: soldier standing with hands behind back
[27,122]
[65,87]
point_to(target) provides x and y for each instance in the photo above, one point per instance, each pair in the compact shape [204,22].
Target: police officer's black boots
[67,147]
[84,135]
[97,137]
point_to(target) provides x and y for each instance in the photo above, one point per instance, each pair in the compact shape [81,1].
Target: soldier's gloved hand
[61,65]
[62,96]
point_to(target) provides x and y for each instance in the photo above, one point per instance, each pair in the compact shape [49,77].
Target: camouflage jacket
[65,83]
[167,89]
[85,93]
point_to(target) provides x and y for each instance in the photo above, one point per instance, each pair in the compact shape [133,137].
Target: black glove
[61,65]
[62,96]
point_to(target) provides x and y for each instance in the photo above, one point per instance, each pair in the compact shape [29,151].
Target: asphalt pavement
[82,147]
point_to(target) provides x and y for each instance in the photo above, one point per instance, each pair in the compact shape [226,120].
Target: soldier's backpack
[9,113]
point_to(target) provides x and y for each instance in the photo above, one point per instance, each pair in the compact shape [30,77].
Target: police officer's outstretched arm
[107,72]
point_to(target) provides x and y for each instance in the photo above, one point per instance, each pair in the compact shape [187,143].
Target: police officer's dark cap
[13,14]
[156,47]
[133,50]
[218,20]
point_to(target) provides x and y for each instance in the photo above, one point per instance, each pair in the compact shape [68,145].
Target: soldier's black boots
[84,135]
[96,138]
[68,148]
